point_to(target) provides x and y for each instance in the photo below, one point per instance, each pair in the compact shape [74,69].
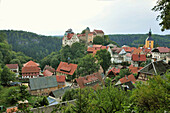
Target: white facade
[69,41]
[159,56]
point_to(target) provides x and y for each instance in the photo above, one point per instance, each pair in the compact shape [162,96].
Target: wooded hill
[137,39]
[31,44]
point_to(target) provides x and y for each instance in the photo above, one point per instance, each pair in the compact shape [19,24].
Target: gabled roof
[163,49]
[12,66]
[47,73]
[30,63]
[134,69]
[129,49]
[114,70]
[154,68]
[98,31]
[30,69]
[60,78]
[42,82]
[137,51]
[129,55]
[60,92]
[97,46]
[126,79]
[136,57]
[49,68]
[89,80]
[66,68]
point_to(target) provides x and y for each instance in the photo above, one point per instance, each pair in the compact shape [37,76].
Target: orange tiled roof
[66,68]
[32,69]
[136,57]
[49,68]
[30,63]
[89,79]
[127,79]
[137,51]
[47,73]
[12,66]
[114,70]
[12,109]
[60,78]
[134,69]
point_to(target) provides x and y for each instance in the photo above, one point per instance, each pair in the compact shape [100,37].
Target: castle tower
[149,42]
[87,31]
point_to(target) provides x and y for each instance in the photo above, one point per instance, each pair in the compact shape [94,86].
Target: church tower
[149,42]
[87,31]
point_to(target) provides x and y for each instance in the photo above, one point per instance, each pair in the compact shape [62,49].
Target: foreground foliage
[150,96]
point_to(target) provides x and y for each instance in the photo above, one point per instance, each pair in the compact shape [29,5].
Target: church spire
[150,32]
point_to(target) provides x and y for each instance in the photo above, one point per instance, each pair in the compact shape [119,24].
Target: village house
[93,80]
[118,55]
[128,57]
[134,70]
[69,38]
[66,69]
[153,68]
[94,48]
[168,59]
[113,72]
[49,68]
[42,85]
[99,33]
[14,68]
[47,73]
[137,59]
[61,80]
[160,53]
[30,70]
[126,82]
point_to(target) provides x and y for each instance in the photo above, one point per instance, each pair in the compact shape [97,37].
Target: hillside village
[138,64]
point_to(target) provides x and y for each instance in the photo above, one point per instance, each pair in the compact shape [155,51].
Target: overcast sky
[54,17]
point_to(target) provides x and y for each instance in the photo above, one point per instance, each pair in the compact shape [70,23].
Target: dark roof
[42,82]
[154,68]
[60,92]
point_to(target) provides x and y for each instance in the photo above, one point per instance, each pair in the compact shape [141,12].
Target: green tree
[70,95]
[7,76]
[153,96]
[24,94]
[54,62]
[87,65]
[108,81]
[16,61]
[104,57]
[163,6]
[98,40]
[44,101]
[124,72]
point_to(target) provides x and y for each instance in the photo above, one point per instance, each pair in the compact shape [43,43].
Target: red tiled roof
[137,51]
[114,70]
[60,78]
[127,79]
[47,73]
[97,46]
[163,49]
[134,69]
[12,109]
[129,55]
[88,79]
[136,57]
[129,49]
[66,68]
[98,31]
[69,36]
[49,68]
[30,63]
[12,66]
[32,69]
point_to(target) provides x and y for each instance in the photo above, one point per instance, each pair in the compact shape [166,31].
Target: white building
[160,53]
[69,38]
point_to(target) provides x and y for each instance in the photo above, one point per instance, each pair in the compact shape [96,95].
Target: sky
[54,17]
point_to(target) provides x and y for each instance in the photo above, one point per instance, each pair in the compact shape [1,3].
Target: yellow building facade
[149,42]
